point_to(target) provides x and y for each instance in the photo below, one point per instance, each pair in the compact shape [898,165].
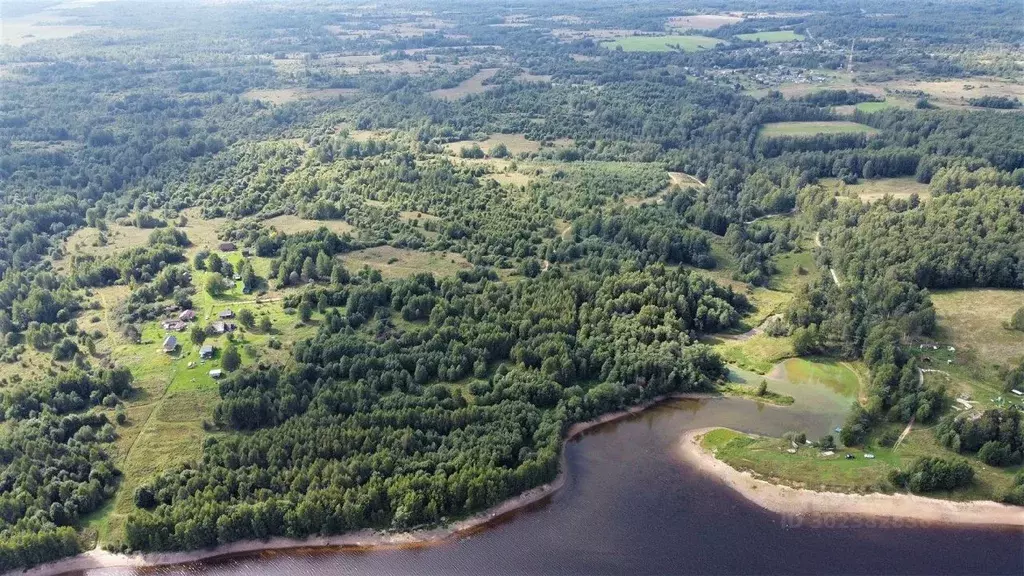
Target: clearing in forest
[291,224]
[775,129]
[285,95]
[401,262]
[702,21]
[870,190]
[472,85]
[772,36]
[973,320]
[662,43]
[514,143]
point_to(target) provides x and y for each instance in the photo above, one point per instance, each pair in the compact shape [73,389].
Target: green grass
[768,458]
[772,36]
[776,129]
[743,391]
[875,106]
[666,43]
[758,354]
[836,376]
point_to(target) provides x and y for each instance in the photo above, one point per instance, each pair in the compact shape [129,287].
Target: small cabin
[170,344]
[206,352]
[216,373]
[187,315]
[227,314]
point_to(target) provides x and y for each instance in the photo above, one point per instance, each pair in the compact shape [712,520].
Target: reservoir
[630,506]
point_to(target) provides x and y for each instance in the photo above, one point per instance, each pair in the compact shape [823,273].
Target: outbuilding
[206,352]
[170,344]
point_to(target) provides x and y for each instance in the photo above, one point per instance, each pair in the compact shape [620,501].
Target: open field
[871,190]
[472,85]
[117,239]
[291,224]
[515,143]
[772,36]
[664,43]
[775,129]
[401,263]
[955,92]
[527,77]
[702,21]
[285,95]
[972,320]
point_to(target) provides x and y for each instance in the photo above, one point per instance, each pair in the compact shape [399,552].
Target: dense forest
[576,201]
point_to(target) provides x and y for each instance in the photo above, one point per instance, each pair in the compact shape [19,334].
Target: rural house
[206,352]
[187,315]
[227,314]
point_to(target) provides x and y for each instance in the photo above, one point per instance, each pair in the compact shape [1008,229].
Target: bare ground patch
[703,21]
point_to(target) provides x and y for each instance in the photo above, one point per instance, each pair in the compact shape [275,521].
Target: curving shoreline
[363,539]
[800,502]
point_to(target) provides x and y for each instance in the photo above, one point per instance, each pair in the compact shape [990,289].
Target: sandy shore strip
[364,539]
[794,502]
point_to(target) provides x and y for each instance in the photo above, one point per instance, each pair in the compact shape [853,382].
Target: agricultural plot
[472,85]
[776,129]
[663,43]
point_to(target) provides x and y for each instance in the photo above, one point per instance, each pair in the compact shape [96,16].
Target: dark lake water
[630,506]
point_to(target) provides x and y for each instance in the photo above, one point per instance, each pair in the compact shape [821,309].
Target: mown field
[665,43]
[774,129]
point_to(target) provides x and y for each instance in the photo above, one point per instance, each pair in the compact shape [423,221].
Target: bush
[1017,320]
[929,474]
[888,438]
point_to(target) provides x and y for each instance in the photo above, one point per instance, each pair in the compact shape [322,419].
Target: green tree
[1017,320]
[265,325]
[197,335]
[215,284]
[762,388]
[231,359]
[246,318]
[305,311]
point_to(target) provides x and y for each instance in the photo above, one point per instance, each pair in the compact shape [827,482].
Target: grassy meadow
[662,43]
[776,129]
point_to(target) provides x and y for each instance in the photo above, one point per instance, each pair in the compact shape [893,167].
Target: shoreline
[366,539]
[801,502]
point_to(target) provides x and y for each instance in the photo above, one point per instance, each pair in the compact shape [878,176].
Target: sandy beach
[365,539]
[794,502]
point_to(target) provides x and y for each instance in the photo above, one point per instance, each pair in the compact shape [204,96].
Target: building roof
[206,349]
[216,372]
[227,314]
[170,343]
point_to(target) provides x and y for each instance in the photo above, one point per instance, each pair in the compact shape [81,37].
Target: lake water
[630,506]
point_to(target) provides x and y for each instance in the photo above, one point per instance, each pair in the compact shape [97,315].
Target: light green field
[665,43]
[772,36]
[875,106]
[834,375]
[775,129]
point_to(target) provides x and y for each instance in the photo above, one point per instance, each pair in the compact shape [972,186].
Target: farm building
[187,315]
[227,314]
[223,327]
[173,325]
[170,344]
[206,352]
[216,373]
